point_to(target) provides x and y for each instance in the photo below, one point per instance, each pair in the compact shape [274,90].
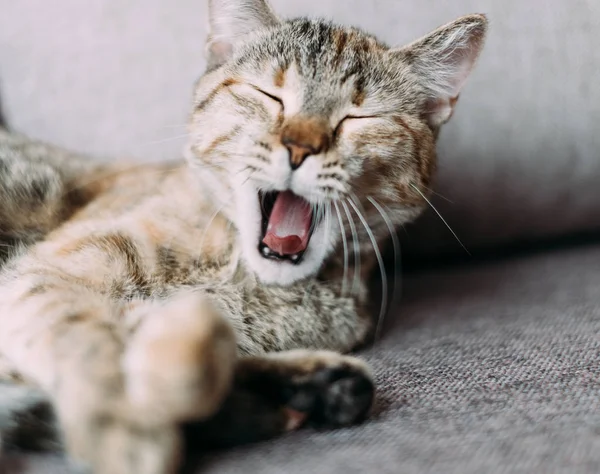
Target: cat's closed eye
[347,118]
[269,95]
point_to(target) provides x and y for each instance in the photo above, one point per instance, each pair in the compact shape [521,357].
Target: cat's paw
[284,391]
[331,390]
[179,365]
[337,391]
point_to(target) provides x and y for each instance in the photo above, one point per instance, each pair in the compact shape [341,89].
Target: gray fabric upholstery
[488,369]
[520,159]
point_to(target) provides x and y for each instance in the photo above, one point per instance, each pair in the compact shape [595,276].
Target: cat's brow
[216,91]
[279,77]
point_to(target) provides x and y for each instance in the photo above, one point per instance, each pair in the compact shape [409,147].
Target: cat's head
[301,128]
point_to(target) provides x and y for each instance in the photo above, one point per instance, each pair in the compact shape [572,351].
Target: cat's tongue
[288,229]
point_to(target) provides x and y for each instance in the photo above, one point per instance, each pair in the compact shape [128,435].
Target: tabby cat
[224,290]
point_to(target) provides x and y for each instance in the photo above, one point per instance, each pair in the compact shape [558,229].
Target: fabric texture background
[483,369]
[521,158]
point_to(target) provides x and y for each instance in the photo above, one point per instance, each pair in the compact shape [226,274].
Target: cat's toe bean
[333,396]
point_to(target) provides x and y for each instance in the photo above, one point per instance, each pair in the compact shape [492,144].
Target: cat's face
[302,128]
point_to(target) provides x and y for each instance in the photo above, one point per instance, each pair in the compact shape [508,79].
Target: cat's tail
[27,421]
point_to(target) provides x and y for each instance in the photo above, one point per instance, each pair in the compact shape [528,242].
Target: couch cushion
[493,368]
[519,160]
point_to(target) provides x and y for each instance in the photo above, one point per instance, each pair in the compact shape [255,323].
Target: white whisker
[441,217]
[345,246]
[356,244]
[357,202]
[250,175]
[440,196]
[210,222]
[328,219]
[396,244]
[384,286]
[165,140]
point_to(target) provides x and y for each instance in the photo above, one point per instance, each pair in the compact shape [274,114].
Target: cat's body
[142,297]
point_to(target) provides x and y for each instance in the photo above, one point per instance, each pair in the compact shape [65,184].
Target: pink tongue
[289,225]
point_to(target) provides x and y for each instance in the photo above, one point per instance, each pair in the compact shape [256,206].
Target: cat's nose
[304,137]
[298,153]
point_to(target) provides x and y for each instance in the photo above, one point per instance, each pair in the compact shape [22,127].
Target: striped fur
[134,297]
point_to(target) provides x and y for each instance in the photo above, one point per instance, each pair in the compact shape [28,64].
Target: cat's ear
[443,60]
[230,20]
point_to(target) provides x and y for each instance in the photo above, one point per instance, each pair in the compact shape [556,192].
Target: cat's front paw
[281,392]
[338,392]
[179,364]
[330,389]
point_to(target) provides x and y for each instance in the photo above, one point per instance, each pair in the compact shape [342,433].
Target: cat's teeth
[266,251]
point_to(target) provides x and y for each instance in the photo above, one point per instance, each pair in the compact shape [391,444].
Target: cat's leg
[68,340]
[64,339]
[282,391]
[180,358]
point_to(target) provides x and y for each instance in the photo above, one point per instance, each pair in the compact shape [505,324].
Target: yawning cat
[223,291]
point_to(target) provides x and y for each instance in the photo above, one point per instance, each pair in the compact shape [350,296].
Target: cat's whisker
[321,209]
[243,170]
[384,286]
[208,225]
[345,247]
[165,140]
[439,195]
[356,244]
[356,200]
[249,177]
[441,217]
[184,125]
[317,213]
[396,245]
[328,218]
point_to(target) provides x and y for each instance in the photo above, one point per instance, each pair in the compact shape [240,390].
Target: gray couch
[489,362]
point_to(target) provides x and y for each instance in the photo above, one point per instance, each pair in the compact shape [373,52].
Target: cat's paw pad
[336,394]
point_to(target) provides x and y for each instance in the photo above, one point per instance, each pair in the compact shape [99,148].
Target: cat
[224,290]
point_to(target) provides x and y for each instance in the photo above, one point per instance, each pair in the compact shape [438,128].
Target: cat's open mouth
[288,222]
